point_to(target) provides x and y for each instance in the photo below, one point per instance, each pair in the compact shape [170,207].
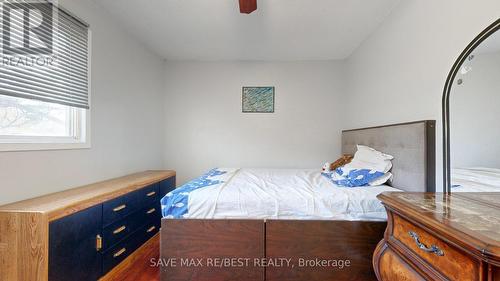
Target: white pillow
[373,153]
[369,158]
[381,180]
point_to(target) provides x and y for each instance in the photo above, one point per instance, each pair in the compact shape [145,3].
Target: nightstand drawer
[452,263]
[393,267]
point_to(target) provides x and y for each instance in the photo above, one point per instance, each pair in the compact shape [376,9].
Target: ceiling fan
[248,6]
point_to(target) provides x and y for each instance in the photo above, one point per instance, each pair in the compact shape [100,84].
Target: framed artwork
[257,99]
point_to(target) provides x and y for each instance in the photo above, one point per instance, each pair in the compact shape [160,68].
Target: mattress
[475,180]
[229,193]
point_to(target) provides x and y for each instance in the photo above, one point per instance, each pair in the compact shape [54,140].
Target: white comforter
[284,194]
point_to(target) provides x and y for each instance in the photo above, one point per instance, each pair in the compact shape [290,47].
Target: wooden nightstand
[431,236]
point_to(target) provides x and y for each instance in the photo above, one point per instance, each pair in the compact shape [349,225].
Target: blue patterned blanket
[353,178]
[175,204]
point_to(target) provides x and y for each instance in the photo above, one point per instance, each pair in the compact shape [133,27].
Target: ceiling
[280,30]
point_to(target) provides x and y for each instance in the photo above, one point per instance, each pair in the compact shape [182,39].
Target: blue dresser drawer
[117,231]
[151,212]
[119,208]
[166,186]
[148,195]
[122,206]
[148,230]
[72,246]
[117,253]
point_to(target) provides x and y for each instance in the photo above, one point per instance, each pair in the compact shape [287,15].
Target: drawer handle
[119,229]
[150,211]
[98,242]
[432,249]
[119,253]
[152,193]
[119,208]
[151,229]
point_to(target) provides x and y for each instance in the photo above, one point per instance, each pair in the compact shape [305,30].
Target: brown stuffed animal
[345,159]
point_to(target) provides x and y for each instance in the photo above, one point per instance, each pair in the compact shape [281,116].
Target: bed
[292,194]
[475,179]
[274,224]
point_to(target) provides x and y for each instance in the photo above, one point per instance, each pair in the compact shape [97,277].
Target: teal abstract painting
[258,99]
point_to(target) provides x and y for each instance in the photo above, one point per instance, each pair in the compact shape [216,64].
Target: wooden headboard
[413,146]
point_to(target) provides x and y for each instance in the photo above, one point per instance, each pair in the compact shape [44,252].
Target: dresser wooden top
[470,218]
[63,203]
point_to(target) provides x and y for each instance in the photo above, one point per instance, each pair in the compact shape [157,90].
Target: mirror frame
[446,99]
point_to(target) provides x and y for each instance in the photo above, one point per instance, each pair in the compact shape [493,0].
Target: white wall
[474,114]
[206,128]
[398,73]
[127,116]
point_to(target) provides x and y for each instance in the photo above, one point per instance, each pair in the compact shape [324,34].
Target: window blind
[48,63]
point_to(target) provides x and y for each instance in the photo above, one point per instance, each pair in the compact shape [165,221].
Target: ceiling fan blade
[248,6]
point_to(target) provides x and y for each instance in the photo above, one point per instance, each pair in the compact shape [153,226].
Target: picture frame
[257,99]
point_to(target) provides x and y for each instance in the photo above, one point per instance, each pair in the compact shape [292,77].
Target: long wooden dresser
[81,233]
[431,236]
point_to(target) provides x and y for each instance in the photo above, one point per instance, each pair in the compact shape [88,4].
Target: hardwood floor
[137,266]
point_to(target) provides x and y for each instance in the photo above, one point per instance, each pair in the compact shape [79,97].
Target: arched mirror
[471,116]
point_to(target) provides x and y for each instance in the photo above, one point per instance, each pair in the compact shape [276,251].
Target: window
[44,77]
[27,121]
